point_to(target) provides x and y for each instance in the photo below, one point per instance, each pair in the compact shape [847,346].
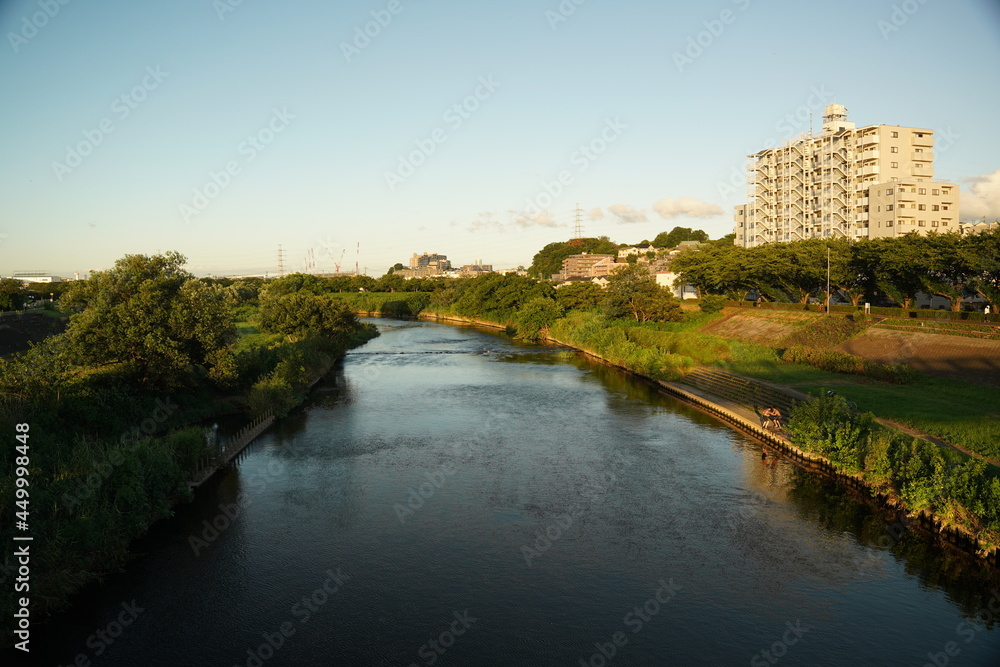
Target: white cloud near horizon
[686,207]
[627,214]
[983,198]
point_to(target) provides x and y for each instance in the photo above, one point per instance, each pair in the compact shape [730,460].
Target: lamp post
[828,281]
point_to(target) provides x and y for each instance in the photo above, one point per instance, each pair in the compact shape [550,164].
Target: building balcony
[925,171]
[925,156]
[860,217]
[868,140]
[926,140]
[869,171]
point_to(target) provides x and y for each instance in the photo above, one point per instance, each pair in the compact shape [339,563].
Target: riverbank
[948,532]
[101,482]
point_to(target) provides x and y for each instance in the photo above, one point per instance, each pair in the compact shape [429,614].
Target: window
[895,135]
[944,207]
[923,191]
[888,191]
[894,165]
[935,207]
[934,224]
[947,191]
[935,192]
[879,209]
[922,207]
[922,223]
[894,149]
[889,224]
[889,207]
[918,150]
[944,223]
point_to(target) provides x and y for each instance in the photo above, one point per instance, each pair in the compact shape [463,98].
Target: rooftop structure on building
[846,182]
[36,277]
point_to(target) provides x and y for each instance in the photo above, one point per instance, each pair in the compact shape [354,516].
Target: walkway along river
[451,497]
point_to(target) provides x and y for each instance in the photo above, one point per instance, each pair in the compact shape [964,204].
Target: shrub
[840,362]
[712,303]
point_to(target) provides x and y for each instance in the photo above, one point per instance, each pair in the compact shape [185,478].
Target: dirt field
[969,359]
[759,326]
[16,331]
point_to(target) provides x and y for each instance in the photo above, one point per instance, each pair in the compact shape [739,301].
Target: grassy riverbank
[109,410]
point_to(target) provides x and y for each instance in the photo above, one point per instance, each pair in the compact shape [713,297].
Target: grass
[963,414]
[960,413]
[246,329]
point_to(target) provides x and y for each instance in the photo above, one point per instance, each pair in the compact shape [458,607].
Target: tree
[984,249]
[536,316]
[301,314]
[632,291]
[11,294]
[499,293]
[675,236]
[549,259]
[582,295]
[151,315]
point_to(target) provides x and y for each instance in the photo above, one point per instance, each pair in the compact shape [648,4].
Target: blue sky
[300,131]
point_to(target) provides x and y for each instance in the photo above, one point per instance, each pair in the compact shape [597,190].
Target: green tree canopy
[11,294]
[675,236]
[581,295]
[549,259]
[302,314]
[633,292]
[151,314]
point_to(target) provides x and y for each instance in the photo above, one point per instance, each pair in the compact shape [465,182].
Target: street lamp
[828,281]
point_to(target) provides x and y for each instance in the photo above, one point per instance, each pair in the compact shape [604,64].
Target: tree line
[949,265]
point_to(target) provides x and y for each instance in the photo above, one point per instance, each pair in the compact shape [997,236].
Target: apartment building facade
[846,182]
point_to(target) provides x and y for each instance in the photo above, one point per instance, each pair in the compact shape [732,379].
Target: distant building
[435,261]
[667,278]
[640,249]
[473,270]
[585,265]
[846,182]
[36,277]
[965,228]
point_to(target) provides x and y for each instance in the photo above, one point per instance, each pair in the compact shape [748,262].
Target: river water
[451,497]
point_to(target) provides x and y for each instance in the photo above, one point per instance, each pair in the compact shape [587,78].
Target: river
[449,496]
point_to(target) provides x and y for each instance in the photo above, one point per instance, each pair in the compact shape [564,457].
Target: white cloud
[487,220]
[626,214]
[686,207]
[595,214]
[983,198]
[542,219]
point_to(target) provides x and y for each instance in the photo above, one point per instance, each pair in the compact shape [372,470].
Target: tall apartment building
[866,182]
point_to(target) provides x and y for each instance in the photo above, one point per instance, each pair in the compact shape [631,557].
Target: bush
[535,317]
[840,362]
[712,303]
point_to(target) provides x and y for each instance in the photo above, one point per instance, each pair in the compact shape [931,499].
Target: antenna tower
[578,226]
[281,261]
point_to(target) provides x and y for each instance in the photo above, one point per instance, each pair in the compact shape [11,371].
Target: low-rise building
[36,277]
[585,265]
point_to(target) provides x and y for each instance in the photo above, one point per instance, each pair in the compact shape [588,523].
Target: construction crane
[336,262]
